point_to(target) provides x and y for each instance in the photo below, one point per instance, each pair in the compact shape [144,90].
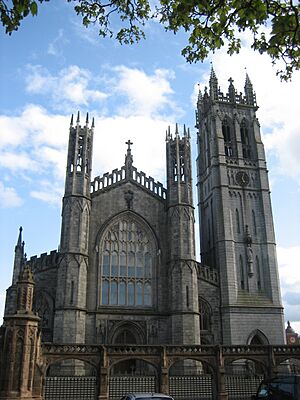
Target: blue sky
[53,67]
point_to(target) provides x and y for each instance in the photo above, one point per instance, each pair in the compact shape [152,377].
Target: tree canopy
[209,24]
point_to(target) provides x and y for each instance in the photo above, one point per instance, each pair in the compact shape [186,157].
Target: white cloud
[55,47]
[9,197]
[69,89]
[49,192]
[147,94]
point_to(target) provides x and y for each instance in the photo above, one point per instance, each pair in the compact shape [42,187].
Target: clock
[242,178]
[292,339]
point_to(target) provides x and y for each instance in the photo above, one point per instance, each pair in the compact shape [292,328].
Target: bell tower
[236,223]
[72,270]
[182,263]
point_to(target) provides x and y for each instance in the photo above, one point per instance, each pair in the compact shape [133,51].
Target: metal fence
[120,385]
[70,388]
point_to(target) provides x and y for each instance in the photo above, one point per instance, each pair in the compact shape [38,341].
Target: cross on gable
[129,143]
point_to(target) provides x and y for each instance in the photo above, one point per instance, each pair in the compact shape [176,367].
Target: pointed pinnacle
[87,118]
[71,123]
[78,118]
[189,135]
[93,123]
[20,236]
[184,130]
[176,129]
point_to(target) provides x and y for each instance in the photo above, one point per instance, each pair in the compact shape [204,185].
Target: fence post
[221,388]
[164,373]
[104,376]
[272,368]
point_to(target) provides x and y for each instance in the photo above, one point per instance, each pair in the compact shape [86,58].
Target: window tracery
[126,265]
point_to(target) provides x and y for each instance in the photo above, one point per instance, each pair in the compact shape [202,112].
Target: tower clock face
[242,178]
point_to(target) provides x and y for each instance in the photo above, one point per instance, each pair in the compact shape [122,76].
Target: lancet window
[245,140]
[228,138]
[127,265]
[205,315]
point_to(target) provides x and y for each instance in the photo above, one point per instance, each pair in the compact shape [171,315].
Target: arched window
[127,254]
[228,137]
[245,139]
[205,315]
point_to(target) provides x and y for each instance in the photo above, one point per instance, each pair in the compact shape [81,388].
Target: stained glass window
[126,265]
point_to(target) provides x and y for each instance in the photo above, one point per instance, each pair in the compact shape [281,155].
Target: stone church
[126,269]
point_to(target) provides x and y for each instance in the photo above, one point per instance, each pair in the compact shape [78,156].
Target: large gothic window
[126,265]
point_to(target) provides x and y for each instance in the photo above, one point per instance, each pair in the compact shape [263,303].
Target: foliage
[210,24]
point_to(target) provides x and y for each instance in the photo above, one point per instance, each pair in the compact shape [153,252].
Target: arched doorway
[128,333]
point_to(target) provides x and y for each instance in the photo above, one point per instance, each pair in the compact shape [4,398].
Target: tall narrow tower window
[242,274]
[227,135]
[237,217]
[254,223]
[79,154]
[258,274]
[245,140]
[126,265]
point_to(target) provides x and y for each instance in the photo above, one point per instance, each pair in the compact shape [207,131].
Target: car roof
[145,395]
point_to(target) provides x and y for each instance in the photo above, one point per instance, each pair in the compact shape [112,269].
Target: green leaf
[33,8]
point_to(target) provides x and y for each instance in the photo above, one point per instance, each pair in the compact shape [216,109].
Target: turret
[182,263]
[72,271]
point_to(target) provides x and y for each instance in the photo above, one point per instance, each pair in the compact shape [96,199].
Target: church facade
[126,270]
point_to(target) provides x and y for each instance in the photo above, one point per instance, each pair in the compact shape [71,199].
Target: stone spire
[19,257]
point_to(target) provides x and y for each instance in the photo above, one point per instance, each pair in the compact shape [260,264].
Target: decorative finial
[78,117]
[176,129]
[87,118]
[93,123]
[184,130]
[128,160]
[129,143]
[71,123]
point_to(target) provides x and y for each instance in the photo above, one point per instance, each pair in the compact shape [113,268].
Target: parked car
[147,396]
[279,388]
